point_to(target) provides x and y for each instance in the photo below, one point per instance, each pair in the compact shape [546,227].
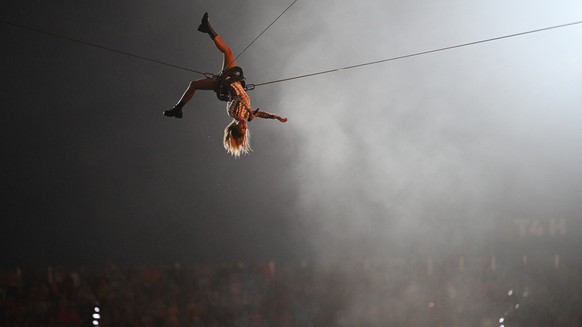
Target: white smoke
[435,148]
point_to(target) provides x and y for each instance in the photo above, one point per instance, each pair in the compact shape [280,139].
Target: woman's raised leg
[228,59]
[204,84]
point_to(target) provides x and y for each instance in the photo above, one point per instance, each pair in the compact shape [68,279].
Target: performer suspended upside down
[229,86]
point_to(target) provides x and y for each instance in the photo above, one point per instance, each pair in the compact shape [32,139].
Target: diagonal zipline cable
[100,47]
[138,56]
[251,86]
[263,32]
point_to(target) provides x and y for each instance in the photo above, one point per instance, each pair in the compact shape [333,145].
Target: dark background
[444,153]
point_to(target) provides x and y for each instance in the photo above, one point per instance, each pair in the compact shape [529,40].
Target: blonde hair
[235,143]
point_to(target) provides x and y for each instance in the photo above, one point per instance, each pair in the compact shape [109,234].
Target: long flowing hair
[234,142]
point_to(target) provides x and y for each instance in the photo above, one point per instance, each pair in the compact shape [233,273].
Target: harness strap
[224,79]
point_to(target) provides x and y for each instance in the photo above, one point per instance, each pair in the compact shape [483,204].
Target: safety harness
[225,78]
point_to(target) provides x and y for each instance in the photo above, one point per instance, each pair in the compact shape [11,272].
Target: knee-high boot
[205,27]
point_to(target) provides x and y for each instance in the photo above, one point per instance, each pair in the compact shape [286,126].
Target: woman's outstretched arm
[266,115]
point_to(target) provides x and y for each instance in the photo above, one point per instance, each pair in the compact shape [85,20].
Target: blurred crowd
[423,292]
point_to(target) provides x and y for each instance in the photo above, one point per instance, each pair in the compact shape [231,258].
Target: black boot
[175,112]
[205,27]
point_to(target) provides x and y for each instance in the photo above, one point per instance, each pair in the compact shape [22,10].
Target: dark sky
[447,151]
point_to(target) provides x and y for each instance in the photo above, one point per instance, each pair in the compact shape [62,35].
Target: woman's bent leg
[201,84]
